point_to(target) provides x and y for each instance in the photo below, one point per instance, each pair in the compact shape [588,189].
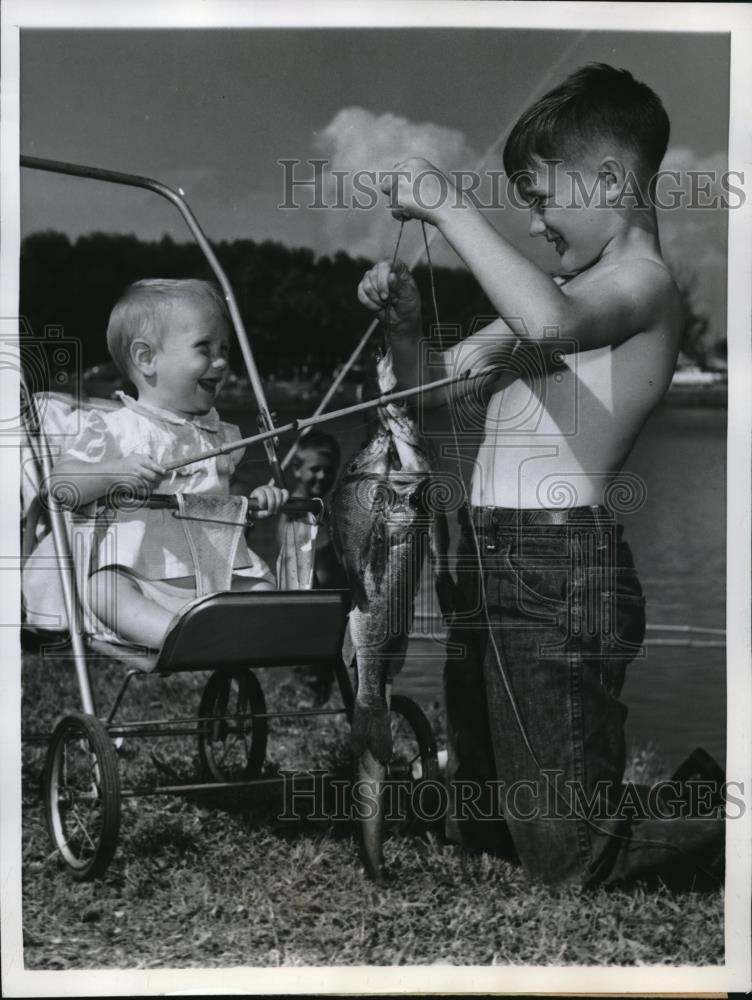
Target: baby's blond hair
[142,311]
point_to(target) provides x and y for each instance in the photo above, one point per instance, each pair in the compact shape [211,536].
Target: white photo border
[735,20]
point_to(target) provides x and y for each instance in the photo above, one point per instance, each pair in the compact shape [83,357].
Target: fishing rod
[305,422]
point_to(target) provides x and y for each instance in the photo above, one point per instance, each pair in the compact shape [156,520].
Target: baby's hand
[269,500]
[383,285]
[418,190]
[143,468]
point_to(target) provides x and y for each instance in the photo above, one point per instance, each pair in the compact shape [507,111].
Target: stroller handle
[293,508]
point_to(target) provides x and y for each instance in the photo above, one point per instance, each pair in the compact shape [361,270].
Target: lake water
[676,695]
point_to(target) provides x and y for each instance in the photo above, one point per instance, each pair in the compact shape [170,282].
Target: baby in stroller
[170,339]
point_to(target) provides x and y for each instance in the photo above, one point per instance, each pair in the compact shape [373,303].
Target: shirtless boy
[582,360]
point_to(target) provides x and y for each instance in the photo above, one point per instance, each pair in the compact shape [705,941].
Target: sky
[214,111]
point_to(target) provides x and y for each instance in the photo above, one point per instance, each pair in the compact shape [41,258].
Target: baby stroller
[227,634]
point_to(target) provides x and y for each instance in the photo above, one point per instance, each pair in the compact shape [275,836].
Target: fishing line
[388,324]
[469,513]
[431,279]
[541,84]
[476,541]
[611,835]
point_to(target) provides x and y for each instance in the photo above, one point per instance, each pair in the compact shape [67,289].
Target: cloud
[360,140]
[694,234]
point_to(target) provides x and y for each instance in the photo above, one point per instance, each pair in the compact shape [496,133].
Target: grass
[224,882]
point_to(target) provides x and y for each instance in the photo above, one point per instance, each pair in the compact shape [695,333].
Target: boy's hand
[382,286]
[418,190]
[269,500]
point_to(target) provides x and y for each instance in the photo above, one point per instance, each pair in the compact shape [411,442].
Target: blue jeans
[535,723]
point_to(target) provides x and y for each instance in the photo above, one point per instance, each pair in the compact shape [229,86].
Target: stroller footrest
[267,628]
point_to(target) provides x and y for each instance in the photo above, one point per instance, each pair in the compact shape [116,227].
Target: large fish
[382,526]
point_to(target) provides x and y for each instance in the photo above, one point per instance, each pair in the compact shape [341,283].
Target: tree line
[300,310]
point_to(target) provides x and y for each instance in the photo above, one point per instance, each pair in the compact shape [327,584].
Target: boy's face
[567,207]
[191,361]
[316,472]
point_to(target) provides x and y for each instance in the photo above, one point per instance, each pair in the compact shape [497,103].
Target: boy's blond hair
[141,313]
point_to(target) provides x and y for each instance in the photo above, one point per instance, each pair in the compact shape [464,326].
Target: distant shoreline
[284,394]
[709,396]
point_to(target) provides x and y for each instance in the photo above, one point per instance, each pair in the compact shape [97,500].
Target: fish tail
[371,775]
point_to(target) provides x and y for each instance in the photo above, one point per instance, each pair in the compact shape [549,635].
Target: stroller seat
[285,626]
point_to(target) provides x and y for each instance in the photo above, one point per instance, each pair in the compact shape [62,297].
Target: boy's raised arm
[626,298]
[623,303]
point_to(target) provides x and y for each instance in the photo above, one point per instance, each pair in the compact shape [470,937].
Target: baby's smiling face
[191,360]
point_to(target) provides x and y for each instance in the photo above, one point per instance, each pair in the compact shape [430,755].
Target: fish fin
[371,730]
[339,550]
[353,569]
[359,595]
[373,552]
[364,553]
[348,646]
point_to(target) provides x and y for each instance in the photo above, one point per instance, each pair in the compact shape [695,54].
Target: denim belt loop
[490,532]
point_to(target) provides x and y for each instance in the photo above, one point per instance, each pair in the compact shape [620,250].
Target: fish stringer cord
[612,834]
[476,544]
[388,306]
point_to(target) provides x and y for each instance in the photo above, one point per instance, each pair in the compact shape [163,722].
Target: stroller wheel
[81,788]
[231,742]
[413,768]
